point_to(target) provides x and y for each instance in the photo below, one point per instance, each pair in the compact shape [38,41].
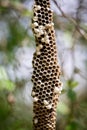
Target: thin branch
[79,29]
[78,71]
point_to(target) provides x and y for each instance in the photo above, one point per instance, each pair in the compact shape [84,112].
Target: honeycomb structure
[46,83]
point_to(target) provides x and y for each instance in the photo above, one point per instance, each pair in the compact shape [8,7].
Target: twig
[78,71]
[79,29]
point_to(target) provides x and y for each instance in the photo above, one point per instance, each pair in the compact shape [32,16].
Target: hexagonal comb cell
[46,73]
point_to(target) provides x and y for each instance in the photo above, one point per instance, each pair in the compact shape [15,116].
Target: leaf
[71,95]
[27,13]
[3,74]
[17,34]
[63,108]
[68,39]
[63,91]
[68,127]
[7,84]
[72,84]
[72,126]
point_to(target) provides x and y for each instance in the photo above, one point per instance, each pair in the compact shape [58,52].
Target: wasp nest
[45,78]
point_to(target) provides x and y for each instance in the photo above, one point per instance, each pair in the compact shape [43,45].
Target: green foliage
[72,126]
[5,110]
[62,108]
[73,114]
[27,13]
[71,95]
[72,84]
[70,92]
[17,34]
[5,83]
[15,116]
[3,10]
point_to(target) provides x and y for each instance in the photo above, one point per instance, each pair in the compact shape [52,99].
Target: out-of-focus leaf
[69,27]
[72,126]
[3,74]
[5,83]
[27,13]
[17,34]
[63,91]
[4,107]
[72,84]
[62,108]
[3,10]
[68,39]
[21,129]
[71,95]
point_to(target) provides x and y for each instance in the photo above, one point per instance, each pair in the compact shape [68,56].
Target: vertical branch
[46,73]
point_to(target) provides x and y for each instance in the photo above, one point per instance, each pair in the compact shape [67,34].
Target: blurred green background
[17,46]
